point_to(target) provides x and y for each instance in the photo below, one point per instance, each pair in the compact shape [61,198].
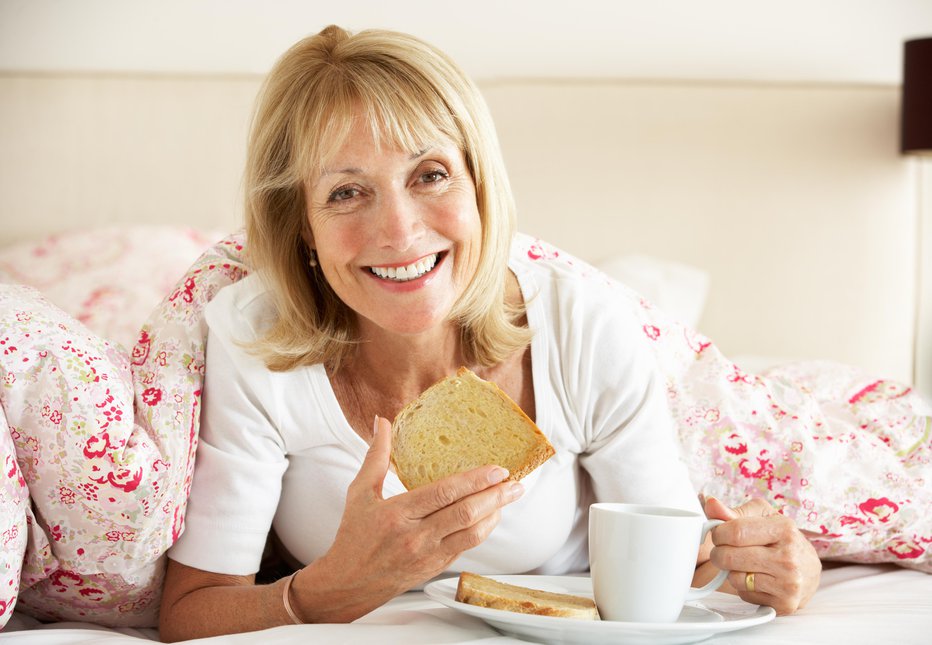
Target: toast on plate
[486,592]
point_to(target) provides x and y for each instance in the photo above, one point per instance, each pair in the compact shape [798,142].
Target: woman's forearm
[198,604]
[200,607]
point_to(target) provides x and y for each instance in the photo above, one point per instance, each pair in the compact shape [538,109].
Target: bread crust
[482,591]
[523,447]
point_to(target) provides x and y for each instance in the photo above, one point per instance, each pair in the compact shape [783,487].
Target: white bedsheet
[856,604]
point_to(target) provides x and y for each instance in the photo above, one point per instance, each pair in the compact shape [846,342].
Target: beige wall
[793,198]
[790,40]
[80,151]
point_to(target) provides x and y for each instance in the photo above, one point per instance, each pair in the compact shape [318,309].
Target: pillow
[15,515]
[110,278]
[678,289]
[845,454]
[105,441]
[92,475]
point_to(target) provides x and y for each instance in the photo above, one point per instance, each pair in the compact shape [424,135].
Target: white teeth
[410,272]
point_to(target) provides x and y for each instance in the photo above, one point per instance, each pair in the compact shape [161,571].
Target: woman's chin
[413,325]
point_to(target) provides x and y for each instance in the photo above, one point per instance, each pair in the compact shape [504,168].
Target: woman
[380,226]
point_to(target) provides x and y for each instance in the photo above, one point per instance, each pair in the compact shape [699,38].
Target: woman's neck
[403,366]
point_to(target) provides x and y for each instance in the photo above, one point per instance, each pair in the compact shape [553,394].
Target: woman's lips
[412,272]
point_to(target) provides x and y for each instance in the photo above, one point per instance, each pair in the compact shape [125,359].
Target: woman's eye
[343,194]
[433,176]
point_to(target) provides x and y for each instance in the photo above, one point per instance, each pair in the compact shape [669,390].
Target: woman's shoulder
[565,282]
[241,310]
[583,312]
[590,324]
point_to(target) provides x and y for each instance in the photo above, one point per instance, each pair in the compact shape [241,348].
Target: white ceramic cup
[642,560]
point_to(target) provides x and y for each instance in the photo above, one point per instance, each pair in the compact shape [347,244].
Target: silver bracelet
[293,616]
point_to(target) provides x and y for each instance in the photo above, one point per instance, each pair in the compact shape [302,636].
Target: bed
[776,220]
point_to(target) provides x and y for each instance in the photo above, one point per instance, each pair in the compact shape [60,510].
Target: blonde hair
[410,93]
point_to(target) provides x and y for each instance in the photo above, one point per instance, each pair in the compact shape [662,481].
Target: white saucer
[717,613]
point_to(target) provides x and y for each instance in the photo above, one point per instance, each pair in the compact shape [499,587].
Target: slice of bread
[486,592]
[462,422]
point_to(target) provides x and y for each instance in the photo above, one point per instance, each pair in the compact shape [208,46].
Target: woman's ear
[306,233]
[308,236]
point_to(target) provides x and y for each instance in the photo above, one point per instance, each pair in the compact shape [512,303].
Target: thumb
[374,467]
[756,507]
[715,509]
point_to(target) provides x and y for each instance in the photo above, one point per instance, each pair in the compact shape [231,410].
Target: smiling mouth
[410,272]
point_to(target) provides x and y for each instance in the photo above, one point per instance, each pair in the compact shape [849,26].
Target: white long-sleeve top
[276,450]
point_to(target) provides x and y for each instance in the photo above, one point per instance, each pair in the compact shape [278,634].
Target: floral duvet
[99,431]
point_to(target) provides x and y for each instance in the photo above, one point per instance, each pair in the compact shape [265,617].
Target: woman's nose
[399,223]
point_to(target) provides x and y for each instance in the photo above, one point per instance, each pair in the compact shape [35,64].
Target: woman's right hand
[384,547]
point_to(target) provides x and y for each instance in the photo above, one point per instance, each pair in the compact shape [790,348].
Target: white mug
[642,560]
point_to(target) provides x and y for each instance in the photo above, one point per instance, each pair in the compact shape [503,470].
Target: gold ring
[749,582]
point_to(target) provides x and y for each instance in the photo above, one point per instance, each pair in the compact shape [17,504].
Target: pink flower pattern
[101,435]
[847,456]
[112,500]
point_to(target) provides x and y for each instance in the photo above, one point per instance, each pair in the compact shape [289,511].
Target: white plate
[717,613]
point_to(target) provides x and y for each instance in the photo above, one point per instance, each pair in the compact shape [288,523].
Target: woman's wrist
[286,599]
[318,595]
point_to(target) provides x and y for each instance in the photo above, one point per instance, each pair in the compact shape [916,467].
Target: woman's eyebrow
[343,171]
[358,171]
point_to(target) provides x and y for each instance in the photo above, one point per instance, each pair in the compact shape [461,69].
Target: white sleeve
[631,450]
[238,469]
[633,456]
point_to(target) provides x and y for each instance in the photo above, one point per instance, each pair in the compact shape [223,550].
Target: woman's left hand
[757,540]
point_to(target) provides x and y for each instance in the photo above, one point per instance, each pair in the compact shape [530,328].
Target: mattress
[855,604]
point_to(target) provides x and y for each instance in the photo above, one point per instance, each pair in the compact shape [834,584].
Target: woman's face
[397,232]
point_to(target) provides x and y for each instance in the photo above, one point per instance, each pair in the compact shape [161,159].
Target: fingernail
[498,475]
[515,491]
[375,426]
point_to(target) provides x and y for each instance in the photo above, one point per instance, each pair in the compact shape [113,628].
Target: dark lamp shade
[916,117]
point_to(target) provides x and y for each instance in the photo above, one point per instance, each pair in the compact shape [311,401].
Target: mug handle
[695,593]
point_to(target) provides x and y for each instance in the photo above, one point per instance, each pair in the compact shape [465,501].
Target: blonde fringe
[411,93]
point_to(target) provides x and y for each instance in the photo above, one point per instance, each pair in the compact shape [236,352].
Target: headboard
[793,198]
